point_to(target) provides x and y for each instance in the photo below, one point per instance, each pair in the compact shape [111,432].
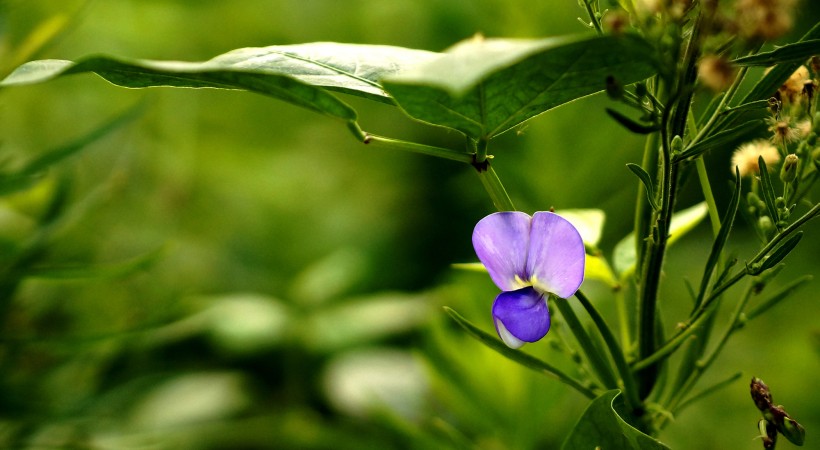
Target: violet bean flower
[529,258]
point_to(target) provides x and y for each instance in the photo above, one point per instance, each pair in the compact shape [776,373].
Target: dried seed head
[783,131]
[715,72]
[792,89]
[762,20]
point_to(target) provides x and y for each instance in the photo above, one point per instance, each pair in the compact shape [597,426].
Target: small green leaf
[720,240]
[781,251]
[647,184]
[795,52]
[630,124]
[518,356]
[484,87]
[768,190]
[682,222]
[602,427]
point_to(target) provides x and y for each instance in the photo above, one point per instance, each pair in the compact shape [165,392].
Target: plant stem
[396,144]
[617,354]
[597,361]
[493,185]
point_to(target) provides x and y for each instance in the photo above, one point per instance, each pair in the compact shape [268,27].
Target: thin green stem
[596,360]
[699,315]
[615,352]
[703,178]
[623,320]
[493,185]
[397,144]
[717,113]
[592,17]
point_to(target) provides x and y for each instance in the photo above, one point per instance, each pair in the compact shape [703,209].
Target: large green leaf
[602,427]
[483,87]
[300,74]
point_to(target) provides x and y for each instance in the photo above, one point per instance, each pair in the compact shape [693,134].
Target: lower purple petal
[521,316]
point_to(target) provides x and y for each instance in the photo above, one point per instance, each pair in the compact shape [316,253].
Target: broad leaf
[602,427]
[300,74]
[484,87]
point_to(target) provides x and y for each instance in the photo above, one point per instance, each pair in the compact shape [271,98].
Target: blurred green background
[294,301]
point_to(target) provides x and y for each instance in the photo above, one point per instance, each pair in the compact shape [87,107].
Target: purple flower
[529,258]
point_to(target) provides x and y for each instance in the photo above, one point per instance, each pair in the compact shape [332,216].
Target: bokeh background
[293,289]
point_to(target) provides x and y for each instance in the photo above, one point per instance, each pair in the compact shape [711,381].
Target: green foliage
[602,427]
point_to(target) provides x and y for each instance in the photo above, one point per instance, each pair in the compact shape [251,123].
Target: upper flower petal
[500,241]
[521,316]
[556,255]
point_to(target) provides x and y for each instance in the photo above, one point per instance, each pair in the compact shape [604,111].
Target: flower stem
[396,144]
[501,200]
[617,354]
[598,362]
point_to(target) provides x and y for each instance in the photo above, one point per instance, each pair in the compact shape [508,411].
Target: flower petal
[555,261]
[500,241]
[521,316]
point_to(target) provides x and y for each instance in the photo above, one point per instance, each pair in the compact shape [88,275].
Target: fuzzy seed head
[746,156]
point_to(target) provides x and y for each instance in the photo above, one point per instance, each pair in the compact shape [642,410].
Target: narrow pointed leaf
[720,240]
[721,139]
[776,298]
[602,427]
[796,52]
[781,251]
[484,87]
[647,184]
[767,190]
[518,356]
[767,85]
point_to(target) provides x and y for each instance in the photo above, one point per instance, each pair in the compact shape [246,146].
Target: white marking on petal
[507,337]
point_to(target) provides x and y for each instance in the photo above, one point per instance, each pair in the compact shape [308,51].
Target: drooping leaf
[484,87]
[682,222]
[518,356]
[602,427]
[300,74]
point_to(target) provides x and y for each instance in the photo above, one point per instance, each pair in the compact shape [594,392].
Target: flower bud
[793,431]
[788,172]
[765,224]
[760,394]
